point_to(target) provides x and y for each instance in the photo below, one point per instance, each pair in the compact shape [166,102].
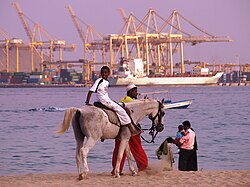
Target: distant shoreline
[87,85]
[39,85]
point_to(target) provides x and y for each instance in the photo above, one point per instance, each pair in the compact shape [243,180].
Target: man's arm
[88,97]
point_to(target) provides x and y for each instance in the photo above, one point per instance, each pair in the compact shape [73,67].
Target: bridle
[155,128]
[160,115]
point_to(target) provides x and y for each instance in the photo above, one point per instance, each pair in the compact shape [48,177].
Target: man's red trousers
[137,151]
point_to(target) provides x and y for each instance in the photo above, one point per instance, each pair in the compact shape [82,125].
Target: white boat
[133,72]
[168,104]
[171,80]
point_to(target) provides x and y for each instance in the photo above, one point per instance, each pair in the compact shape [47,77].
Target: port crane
[143,38]
[37,42]
[92,42]
[8,43]
[160,43]
[156,44]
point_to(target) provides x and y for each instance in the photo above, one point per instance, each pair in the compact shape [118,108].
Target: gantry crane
[183,36]
[29,34]
[8,43]
[92,42]
[37,42]
[6,46]
[158,43]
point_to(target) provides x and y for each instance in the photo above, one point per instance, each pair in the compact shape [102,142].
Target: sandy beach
[148,178]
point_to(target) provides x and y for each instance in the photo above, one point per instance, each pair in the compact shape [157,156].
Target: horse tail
[66,121]
[78,128]
[77,116]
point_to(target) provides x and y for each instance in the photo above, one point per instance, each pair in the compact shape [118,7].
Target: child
[180,133]
[100,87]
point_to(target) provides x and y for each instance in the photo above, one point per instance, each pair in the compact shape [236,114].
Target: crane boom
[123,14]
[76,23]
[23,21]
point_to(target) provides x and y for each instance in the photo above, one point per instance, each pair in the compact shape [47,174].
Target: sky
[218,17]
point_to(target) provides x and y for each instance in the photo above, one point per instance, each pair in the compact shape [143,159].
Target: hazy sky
[218,17]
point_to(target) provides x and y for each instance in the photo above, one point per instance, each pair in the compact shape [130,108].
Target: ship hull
[182,80]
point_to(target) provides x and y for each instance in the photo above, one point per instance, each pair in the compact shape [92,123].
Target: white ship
[134,74]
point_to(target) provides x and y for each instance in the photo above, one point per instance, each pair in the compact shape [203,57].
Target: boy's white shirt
[102,90]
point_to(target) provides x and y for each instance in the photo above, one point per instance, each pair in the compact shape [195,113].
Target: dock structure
[40,42]
[154,43]
[158,41]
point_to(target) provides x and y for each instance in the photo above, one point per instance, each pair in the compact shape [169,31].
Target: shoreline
[39,85]
[87,85]
[144,178]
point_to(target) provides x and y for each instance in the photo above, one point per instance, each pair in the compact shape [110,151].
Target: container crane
[50,43]
[78,28]
[6,46]
[92,41]
[7,43]
[29,33]
[158,42]
[54,44]
[23,21]
[183,36]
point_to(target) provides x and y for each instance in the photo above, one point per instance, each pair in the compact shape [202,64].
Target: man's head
[186,124]
[105,72]
[132,91]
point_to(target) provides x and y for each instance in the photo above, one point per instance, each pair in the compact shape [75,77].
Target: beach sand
[152,178]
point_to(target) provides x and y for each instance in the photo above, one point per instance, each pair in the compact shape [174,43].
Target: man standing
[187,154]
[135,145]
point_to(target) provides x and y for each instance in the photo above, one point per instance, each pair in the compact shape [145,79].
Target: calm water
[220,116]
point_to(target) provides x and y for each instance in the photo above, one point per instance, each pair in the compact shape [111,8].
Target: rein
[157,115]
[152,133]
[153,127]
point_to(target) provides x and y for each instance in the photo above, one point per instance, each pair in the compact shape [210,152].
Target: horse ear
[162,101]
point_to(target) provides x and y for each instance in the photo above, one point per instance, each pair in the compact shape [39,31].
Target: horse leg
[122,146]
[129,156]
[84,153]
[125,135]
[79,137]
[78,158]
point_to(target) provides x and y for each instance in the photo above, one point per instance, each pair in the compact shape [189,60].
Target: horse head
[157,117]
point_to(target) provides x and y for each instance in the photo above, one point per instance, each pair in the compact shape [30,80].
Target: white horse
[93,123]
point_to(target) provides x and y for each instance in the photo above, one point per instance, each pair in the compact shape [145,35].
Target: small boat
[168,104]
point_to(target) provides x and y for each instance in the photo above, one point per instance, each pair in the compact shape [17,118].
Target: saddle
[112,116]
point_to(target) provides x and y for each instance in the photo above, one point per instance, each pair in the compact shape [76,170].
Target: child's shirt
[100,87]
[179,135]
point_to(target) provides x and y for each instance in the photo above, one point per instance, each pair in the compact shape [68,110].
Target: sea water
[30,116]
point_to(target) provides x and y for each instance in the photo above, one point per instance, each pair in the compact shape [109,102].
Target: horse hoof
[82,176]
[133,173]
[117,176]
